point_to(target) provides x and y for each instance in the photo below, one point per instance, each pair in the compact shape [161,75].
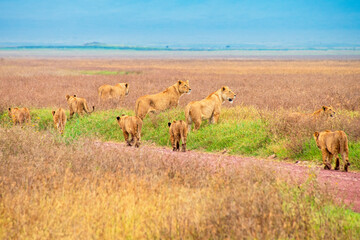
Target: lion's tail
[188,116]
[86,108]
[344,145]
[137,107]
[183,131]
[100,90]
[139,126]
[187,113]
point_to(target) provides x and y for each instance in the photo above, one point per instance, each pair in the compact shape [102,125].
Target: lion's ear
[316,134]
[324,107]
[118,118]
[9,109]
[179,82]
[169,124]
[122,115]
[126,85]
[67,96]
[74,95]
[223,88]
[53,113]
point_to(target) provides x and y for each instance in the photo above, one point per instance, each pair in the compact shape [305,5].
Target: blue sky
[287,23]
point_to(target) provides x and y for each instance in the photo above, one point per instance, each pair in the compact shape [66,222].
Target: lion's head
[184,87]
[121,119]
[227,94]
[124,86]
[328,111]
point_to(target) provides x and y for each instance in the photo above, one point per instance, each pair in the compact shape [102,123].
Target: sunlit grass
[50,189]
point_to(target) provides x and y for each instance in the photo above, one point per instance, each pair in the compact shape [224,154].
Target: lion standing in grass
[77,105]
[323,113]
[59,118]
[332,144]
[178,132]
[161,101]
[19,115]
[130,125]
[117,91]
[208,108]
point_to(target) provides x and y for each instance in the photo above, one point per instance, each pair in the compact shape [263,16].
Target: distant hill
[92,44]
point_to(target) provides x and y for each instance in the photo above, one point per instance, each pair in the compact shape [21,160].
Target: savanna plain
[66,186]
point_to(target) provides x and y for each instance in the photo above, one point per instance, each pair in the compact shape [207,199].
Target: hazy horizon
[146,23]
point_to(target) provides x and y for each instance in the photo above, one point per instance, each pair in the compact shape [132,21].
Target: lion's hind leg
[326,157]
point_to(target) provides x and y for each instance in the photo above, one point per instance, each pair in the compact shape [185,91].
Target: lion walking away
[130,125]
[77,105]
[59,118]
[178,132]
[332,144]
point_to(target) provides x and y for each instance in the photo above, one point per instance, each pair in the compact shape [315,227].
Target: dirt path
[344,186]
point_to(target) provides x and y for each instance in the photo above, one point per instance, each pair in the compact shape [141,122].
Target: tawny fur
[321,114]
[178,132]
[19,115]
[208,108]
[77,105]
[332,144]
[59,118]
[118,91]
[131,125]
[161,101]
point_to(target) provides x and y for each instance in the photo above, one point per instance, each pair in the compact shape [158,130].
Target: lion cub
[178,131]
[332,144]
[59,117]
[77,105]
[19,115]
[130,125]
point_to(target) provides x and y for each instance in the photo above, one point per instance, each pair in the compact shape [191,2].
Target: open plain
[54,186]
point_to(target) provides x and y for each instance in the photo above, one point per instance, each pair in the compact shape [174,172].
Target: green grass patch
[239,131]
[94,72]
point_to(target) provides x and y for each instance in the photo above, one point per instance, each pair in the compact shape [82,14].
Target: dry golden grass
[51,190]
[266,84]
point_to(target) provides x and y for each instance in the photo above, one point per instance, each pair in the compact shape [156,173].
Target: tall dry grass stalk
[50,189]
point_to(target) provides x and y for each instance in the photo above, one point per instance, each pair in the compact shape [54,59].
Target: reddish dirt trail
[345,186]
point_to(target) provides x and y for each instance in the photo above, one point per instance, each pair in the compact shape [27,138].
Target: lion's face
[124,86]
[329,111]
[184,87]
[227,94]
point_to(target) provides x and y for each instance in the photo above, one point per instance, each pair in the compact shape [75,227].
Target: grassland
[52,189]
[65,187]
[240,131]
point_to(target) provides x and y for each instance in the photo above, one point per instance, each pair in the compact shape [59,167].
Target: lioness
[332,144]
[59,118]
[19,115]
[178,131]
[130,125]
[118,91]
[77,105]
[161,101]
[208,108]
[321,114]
